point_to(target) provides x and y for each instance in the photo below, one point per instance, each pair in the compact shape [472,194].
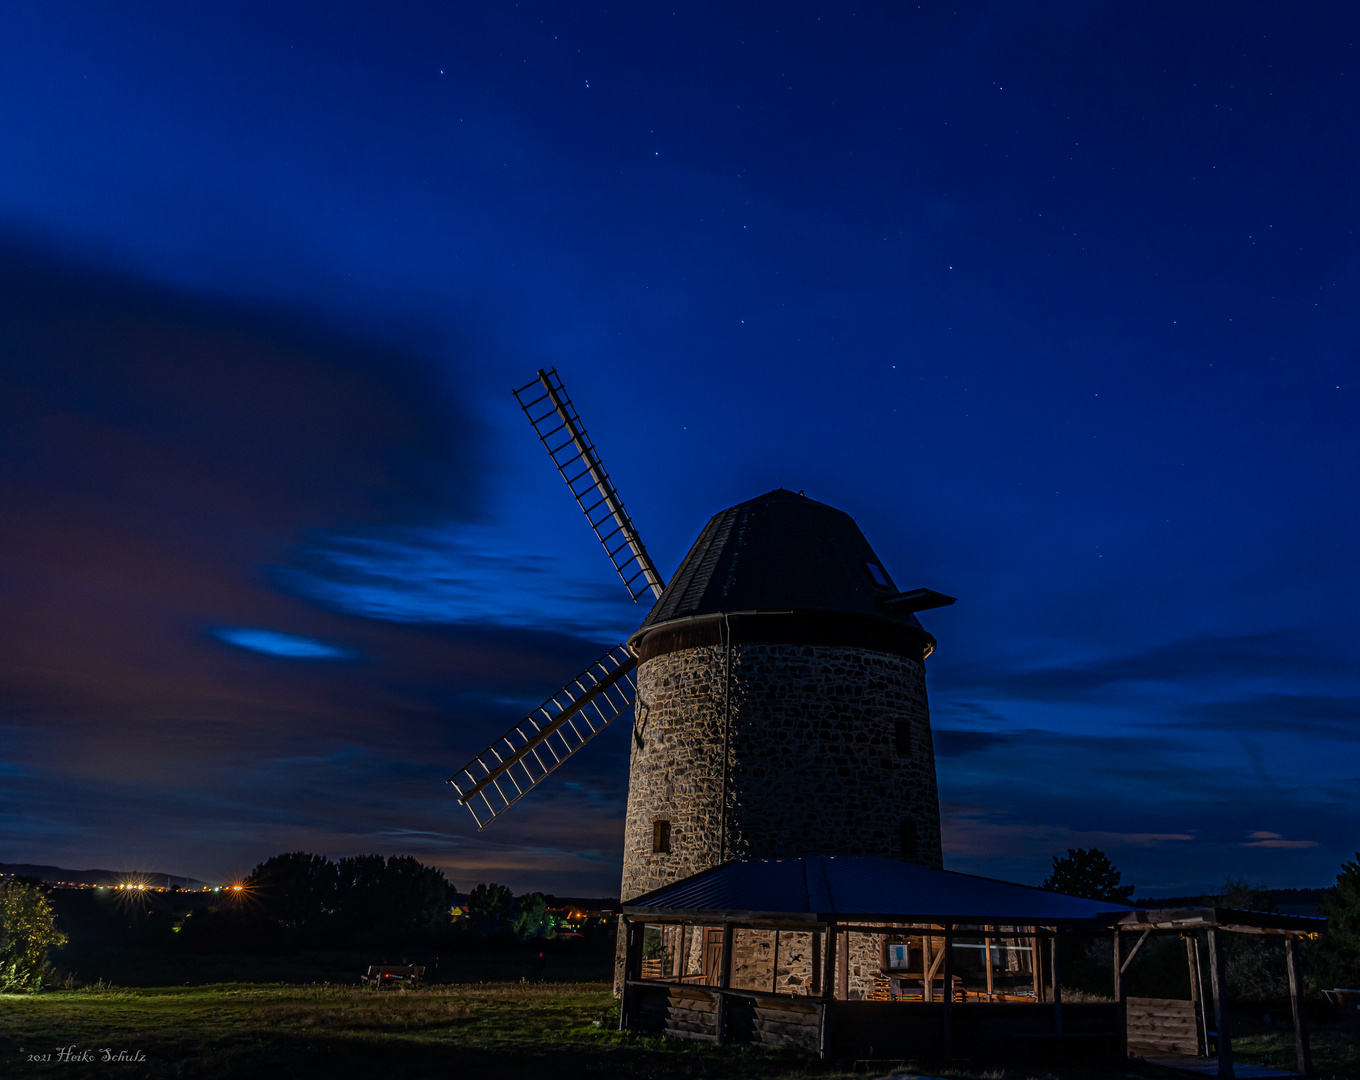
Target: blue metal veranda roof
[847,886]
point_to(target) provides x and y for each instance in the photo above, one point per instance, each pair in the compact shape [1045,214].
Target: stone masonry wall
[754,958]
[676,771]
[818,767]
[817,763]
[830,753]
[865,953]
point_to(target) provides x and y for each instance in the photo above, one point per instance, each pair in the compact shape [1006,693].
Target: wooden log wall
[764,1021]
[1165,1025]
[860,1029]
[682,1011]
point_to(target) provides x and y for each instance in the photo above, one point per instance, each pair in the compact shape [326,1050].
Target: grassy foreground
[495,1030]
[503,1031]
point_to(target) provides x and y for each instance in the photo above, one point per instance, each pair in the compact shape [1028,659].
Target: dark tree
[1337,951]
[490,908]
[1087,873]
[393,897]
[1241,895]
[299,890]
[364,905]
[417,895]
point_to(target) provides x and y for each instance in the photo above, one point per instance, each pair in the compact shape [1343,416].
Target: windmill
[777,684]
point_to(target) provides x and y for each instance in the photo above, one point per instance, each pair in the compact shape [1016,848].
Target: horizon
[1059,305]
[146,875]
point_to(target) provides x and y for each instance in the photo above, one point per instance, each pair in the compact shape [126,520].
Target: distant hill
[1285,901]
[57,875]
[580,903]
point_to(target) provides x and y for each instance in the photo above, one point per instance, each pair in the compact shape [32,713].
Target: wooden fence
[1162,1025]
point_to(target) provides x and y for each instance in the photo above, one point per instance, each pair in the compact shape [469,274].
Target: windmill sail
[548,408]
[520,759]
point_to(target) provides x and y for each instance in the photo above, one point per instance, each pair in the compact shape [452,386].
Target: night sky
[1058,300]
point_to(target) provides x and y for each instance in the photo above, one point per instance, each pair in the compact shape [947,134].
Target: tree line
[305,900]
[308,901]
[358,899]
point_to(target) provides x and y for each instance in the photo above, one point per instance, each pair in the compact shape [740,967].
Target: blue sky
[1056,300]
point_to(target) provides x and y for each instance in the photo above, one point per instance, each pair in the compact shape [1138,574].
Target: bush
[532,919]
[28,932]
[233,930]
[1253,963]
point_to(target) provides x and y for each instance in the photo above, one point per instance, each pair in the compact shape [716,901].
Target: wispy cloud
[953,742]
[1314,716]
[277,643]
[1283,654]
[1275,840]
[457,574]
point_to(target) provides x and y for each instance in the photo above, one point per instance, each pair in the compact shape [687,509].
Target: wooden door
[712,970]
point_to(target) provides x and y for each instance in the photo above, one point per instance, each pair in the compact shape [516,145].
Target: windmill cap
[790,559]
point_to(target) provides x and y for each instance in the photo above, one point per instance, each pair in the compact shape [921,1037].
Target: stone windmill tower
[779,683]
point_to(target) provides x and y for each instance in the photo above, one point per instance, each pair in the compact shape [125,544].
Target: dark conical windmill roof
[779,552]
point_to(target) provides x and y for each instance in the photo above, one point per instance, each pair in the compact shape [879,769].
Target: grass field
[504,1030]
[500,1030]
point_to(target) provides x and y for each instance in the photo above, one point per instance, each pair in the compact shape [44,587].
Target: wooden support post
[816,980]
[774,966]
[828,993]
[632,969]
[927,968]
[725,979]
[1203,1003]
[987,958]
[1036,962]
[843,972]
[1055,974]
[1121,999]
[1303,1057]
[1218,976]
[829,963]
[1192,964]
[947,1019]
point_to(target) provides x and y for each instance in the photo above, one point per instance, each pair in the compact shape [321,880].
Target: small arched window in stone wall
[902,737]
[910,843]
[661,836]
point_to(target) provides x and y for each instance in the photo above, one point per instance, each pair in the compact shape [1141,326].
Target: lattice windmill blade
[522,758]
[555,420]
